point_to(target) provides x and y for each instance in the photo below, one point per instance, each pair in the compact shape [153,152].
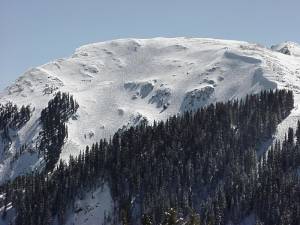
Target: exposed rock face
[196,98]
[142,89]
[161,98]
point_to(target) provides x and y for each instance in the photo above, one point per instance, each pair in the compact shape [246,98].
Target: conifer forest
[203,167]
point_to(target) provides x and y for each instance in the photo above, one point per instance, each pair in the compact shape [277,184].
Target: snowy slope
[288,48]
[93,209]
[118,83]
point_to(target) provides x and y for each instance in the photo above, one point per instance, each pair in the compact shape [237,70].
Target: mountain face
[119,83]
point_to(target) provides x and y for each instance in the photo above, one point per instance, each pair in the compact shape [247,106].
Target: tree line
[196,168]
[55,131]
[12,117]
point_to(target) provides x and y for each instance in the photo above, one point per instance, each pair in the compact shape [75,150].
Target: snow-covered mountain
[118,83]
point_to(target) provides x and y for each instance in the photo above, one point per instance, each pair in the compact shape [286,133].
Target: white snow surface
[92,209]
[117,83]
[290,48]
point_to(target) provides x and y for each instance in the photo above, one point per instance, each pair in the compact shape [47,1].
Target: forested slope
[202,164]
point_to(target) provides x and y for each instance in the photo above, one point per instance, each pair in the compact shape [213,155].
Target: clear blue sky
[33,32]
